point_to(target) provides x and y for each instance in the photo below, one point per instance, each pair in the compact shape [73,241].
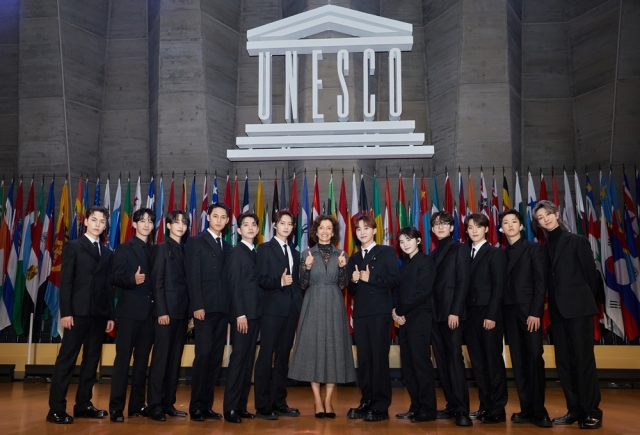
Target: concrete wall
[9,67]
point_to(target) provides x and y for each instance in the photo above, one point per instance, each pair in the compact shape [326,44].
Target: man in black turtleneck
[453,262]
[572,305]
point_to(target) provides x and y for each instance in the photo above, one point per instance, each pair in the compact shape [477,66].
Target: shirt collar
[370,247]
[479,245]
[213,234]
[249,245]
[92,240]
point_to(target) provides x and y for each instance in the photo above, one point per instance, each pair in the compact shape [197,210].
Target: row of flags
[31,242]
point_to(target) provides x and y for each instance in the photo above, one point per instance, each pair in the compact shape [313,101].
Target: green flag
[377,213]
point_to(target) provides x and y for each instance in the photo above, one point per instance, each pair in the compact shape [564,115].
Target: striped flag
[415,211]
[388,238]
[631,295]
[331,200]
[183,193]
[24,251]
[343,216]
[5,251]
[428,242]
[160,226]
[125,219]
[518,204]
[506,200]
[260,212]
[493,217]
[78,217]
[283,192]
[531,203]
[114,234]
[568,211]
[462,206]
[245,196]
[214,194]
[353,214]
[471,201]
[228,234]
[151,199]
[304,216]
[435,205]
[377,213]
[235,212]
[294,237]
[193,209]
[401,214]
[46,248]
[316,198]
[612,304]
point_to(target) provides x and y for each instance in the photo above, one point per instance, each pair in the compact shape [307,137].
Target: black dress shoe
[246,414]
[210,414]
[568,418]
[196,415]
[520,417]
[117,416]
[285,411]
[541,421]
[142,412]
[330,414]
[266,414]
[232,417]
[173,412]
[462,419]
[373,415]
[59,418]
[406,415]
[591,423]
[423,416]
[477,415]
[445,414]
[158,416]
[90,412]
[360,411]
[493,418]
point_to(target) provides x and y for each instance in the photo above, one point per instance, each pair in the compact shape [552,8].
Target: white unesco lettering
[295,140]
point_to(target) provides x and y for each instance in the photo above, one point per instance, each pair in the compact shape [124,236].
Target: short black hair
[137,215]
[243,216]
[281,213]
[514,212]
[172,216]
[410,233]
[219,205]
[479,219]
[442,216]
[97,209]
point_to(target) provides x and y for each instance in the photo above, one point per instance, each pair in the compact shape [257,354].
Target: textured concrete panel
[125,142]
[484,42]
[40,70]
[258,12]
[220,48]
[221,129]
[413,71]
[629,61]
[126,81]
[515,115]
[128,19]
[181,66]
[182,132]
[594,38]
[576,8]
[83,127]
[442,47]
[293,7]
[409,11]
[516,6]
[546,62]
[549,137]
[9,67]
[432,9]
[626,138]
[366,6]
[83,57]
[38,9]
[180,24]
[42,136]
[543,11]
[8,145]
[514,51]
[593,122]
[9,22]
[442,117]
[485,154]
[89,15]
[482,115]
[225,11]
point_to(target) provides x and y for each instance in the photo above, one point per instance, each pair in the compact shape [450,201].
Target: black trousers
[87,331]
[417,368]
[211,336]
[168,345]
[372,338]
[447,347]
[133,337]
[236,392]
[576,364]
[526,359]
[485,352]
[276,339]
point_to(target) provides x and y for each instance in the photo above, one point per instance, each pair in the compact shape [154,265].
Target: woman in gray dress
[322,353]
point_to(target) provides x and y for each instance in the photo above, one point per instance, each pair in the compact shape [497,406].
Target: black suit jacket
[526,276]
[205,275]
[135,299]
[414,294]
[374,296]
[85,281]
[572,278]
[241,272]
[450,289]
[271,265]
[169,280]
[488,280]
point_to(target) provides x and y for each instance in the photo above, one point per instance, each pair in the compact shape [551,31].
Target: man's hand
[285,279]
[364,275]
[163,320]
[453,321]
[488,324]
[139,276]
[533,323]
[66,322]
[243,325]
[198,314]
[110,326]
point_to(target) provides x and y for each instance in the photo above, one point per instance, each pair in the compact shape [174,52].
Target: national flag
[612,302]
[245,196]
[183,193]
[343,216]
[275,206]
[116,219]
[316,198]
[31,259]
[160,219]
[11,270]
[484,200]
[425,223]
[283,192]
[353,214]
[151,198]
[235,212]
[543,196]
[471,201]
[78,217]
[506,200]
[531,203]
[304,216]
[554,184]
[388,238]
[363,204]
[631,294]
[6,297]
[193,209]
[23,250]
[448,196]
[493,217]
[268,226]
[435,205]
[261,212]
[462,208]
[625,278]
[581,227]
[519,205]
[107,205]
[294,237]
[593,235]
[125,220]
[137,200]
[228,236]
[456,224]
[171,206]
[96,193]
[377,213]
[401,214]
[415,211]
[331,200]
[46,252]
[214,194]
[568,211]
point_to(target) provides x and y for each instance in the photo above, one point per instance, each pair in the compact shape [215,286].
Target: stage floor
[24,407]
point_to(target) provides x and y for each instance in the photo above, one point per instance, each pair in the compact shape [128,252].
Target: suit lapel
[210,240]
[370,256]
[514,255]
[140,253]
[88,246]
[481,253]
[443,252]
[563,241]
[106,254]
[279,253]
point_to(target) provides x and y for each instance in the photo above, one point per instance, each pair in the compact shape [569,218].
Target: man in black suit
[86,312]
[278,277]
[483,328]
[523,310]
[134,321]
[453,260]
[374,272]
[572,304]
[209,299]
[241,274]
[171,309]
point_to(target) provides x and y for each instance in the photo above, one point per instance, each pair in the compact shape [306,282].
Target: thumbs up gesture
[308,262]
[355,276]
[286,279]
[139,276]
[364,275]
[342,260]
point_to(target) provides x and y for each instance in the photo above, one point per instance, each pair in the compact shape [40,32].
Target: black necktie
[286,257]
[219,242]
[366,251]
[473,253]
[95,245]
